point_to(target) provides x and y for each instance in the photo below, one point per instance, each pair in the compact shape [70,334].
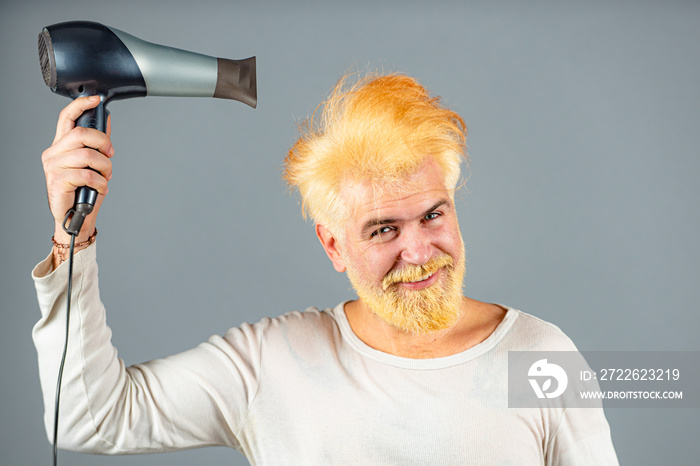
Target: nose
[416,246]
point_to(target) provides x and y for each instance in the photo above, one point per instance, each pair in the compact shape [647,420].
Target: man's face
[404,253]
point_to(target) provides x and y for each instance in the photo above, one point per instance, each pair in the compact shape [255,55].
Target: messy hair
[379,129]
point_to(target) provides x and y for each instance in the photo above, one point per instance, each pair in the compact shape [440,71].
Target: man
[412,372]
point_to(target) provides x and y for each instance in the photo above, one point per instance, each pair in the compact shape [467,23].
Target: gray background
[581,207]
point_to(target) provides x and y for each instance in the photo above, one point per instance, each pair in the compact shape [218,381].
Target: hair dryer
[81,58]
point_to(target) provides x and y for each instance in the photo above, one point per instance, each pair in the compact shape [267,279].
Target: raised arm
[196,398]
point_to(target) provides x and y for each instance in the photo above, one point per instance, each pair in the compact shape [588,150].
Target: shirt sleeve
[581,439]
[580,436]
[196,398]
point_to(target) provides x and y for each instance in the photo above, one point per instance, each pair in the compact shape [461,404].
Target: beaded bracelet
[63,247]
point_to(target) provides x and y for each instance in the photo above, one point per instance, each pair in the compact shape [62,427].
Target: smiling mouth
[414,275]
[422,279]
[420,283]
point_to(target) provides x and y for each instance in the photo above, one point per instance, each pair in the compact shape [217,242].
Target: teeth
[422,279]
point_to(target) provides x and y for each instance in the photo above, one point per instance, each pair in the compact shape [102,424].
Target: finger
[109,125]
[61,188]
[61,191]
[67,117]
[72,179]
[80,137]
[79,159]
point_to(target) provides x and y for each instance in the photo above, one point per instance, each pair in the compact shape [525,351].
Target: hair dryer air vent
[46,59]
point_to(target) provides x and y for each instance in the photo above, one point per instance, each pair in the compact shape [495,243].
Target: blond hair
[379,129]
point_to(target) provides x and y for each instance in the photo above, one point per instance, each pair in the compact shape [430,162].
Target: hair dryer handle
[94,118]
[85,197]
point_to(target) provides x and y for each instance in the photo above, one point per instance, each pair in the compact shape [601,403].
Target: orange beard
[436,307]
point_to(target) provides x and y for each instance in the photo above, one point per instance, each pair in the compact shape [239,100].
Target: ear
[330,245]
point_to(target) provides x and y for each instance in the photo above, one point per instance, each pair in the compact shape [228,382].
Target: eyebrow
[388,221]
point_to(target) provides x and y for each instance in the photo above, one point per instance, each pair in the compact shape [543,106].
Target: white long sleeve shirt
[302,388]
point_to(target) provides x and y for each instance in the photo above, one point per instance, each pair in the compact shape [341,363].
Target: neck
[476,322]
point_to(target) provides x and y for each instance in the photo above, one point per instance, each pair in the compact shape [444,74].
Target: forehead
[367,200]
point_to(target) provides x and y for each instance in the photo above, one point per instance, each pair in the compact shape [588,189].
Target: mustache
[413,273]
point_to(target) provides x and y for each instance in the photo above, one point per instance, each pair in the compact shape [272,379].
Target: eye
[383,231]
[432,216]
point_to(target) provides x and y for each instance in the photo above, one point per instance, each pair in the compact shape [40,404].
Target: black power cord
[76,215]
[65,351]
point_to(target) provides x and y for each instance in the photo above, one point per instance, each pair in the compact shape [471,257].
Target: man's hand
[65,166]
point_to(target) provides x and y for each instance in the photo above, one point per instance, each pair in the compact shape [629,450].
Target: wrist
[61,236]
[61,250]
